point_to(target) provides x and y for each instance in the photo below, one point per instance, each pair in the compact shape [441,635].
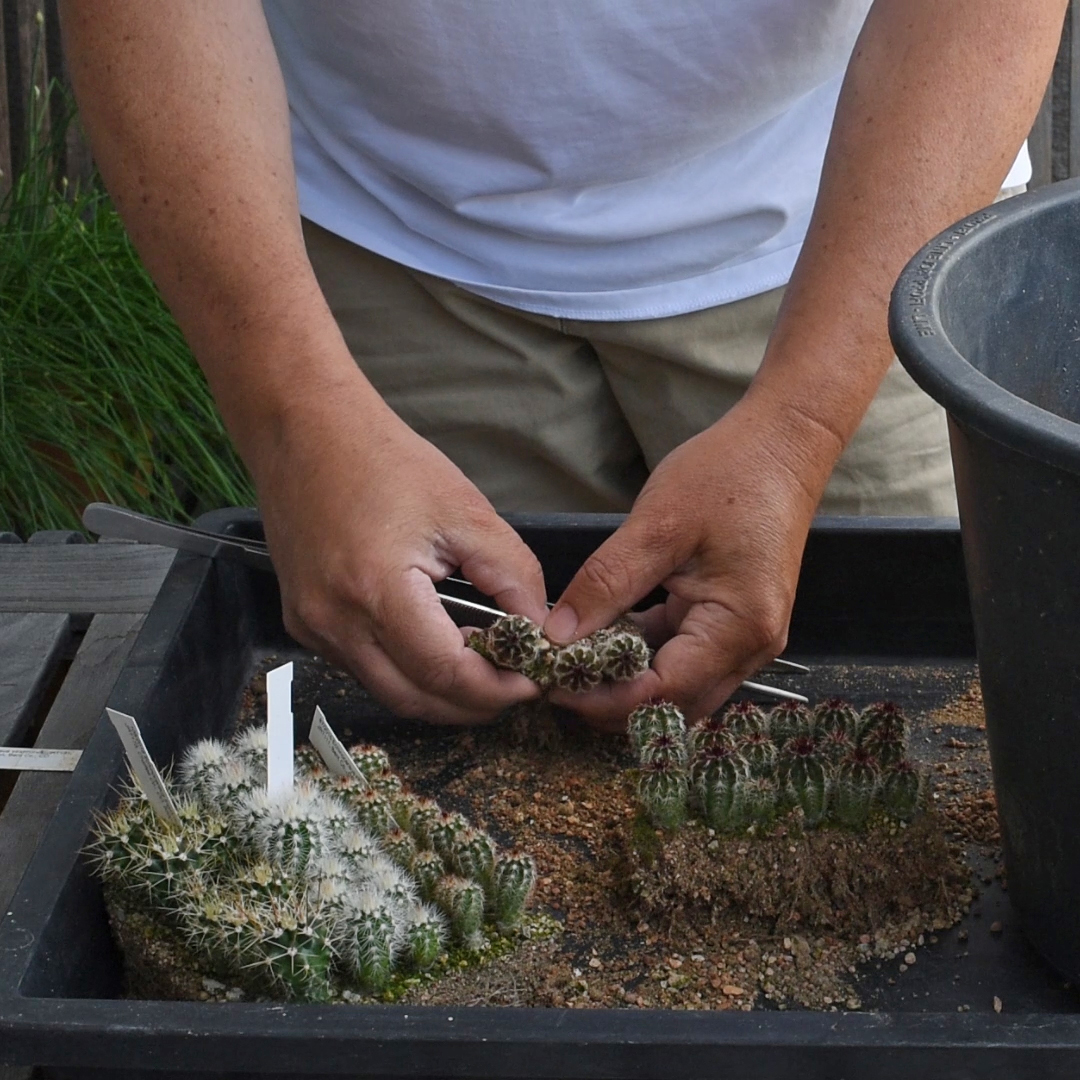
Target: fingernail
[561,624]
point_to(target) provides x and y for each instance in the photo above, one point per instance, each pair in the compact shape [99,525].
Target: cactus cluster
[745,766]
[615,654]
[338,882]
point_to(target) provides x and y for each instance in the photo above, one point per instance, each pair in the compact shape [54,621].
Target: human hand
[362,516]
[721,524]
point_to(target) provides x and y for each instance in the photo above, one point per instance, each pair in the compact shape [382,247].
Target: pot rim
[926,351]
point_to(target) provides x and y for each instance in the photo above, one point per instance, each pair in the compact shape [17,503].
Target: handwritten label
[143,768]
[331,749]
[279,730]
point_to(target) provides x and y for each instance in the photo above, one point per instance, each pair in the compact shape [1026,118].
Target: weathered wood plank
[70,722]
[31,647]
[76,578]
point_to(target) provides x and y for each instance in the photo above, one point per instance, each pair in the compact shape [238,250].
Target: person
[625,254]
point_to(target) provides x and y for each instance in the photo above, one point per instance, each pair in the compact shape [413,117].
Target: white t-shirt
[591,159]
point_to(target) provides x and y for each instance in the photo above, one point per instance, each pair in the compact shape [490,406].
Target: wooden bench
[69,614]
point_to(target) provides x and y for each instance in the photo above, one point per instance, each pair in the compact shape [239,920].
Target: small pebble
[909,959]
[996,927]
[997,1004]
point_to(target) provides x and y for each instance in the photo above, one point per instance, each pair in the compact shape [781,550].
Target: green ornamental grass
[100,397]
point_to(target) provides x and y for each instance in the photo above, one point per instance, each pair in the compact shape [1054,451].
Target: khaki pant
[555,414]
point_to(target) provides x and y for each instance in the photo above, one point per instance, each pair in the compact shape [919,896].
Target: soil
[689,920]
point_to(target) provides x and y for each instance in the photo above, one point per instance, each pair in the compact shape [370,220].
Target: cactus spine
[300,893]
[614,654]
[740,768]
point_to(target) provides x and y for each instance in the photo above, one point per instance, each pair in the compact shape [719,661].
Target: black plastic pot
[986,318]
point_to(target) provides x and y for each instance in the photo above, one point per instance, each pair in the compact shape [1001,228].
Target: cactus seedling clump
[746,767]
[314,891]
[615,654]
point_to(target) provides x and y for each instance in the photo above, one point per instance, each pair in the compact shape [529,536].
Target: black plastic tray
[881,603]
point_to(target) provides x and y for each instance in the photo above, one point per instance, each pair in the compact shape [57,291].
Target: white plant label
[36,759]
[279,730]
[143,768]
[331,749]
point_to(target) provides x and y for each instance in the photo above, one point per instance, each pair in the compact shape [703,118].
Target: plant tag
[36,759]
[143,768]
[331,749]
[279,730]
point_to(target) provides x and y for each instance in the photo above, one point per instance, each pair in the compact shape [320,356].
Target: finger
[368,662]
[704,663]
[379,674]
[501,565]
[607,707]
[415,632]
[640,554]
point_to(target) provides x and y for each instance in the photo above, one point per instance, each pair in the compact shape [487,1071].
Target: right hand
[362,517]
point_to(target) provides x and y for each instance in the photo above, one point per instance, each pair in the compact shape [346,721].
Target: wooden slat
[31,647]
[70,722]
[81,578]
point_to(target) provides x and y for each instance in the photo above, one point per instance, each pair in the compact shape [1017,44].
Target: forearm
[186,112]
[937,100]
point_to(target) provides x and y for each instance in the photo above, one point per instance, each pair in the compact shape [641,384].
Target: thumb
[625,568]
[500,564]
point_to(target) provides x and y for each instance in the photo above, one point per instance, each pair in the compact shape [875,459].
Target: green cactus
[664,747]
[663,789]
[835,745]
[902,788]
[374,812]
[289,941]
[514,881]
[515,642]
[199,766]
[249,747]
[744,718]
[428,869]
[855,787]
[231,784]
[369,937]
[806,779]
[759,752]
[295,893]
[473,856]
[653,719]
[623,652]
[836,714]
[462,902]
[760,798]
[400,847]
[423,814]
[260,881]
[425,935]
[445,834]
[883,731]
[790,720]
[577,667]
[298,826]
[370,760]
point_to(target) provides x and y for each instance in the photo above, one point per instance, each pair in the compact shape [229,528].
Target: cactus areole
[744,769]
[330,886]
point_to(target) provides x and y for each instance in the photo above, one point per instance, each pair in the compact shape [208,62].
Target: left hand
[721,524]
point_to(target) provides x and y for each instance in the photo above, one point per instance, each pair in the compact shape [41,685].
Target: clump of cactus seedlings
[744,768]
[337,884]
[617,653]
